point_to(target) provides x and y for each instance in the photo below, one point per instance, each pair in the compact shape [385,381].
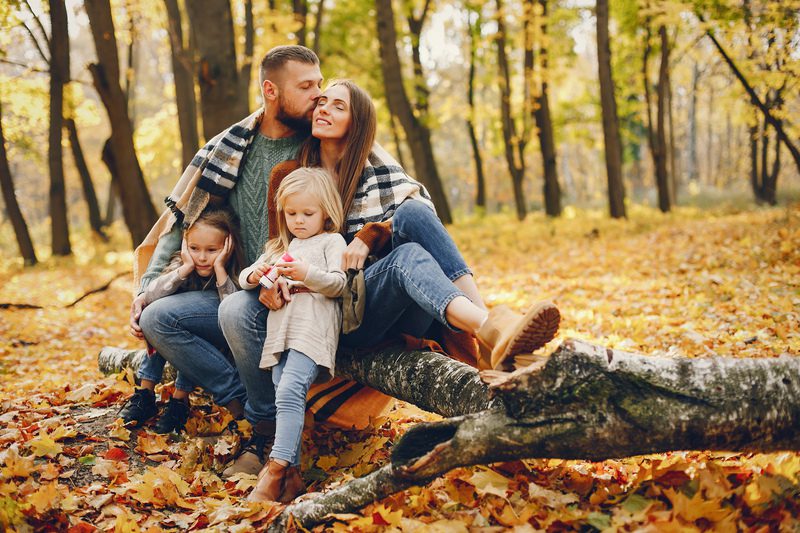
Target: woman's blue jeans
[184,329]
[292,377]
[411,287]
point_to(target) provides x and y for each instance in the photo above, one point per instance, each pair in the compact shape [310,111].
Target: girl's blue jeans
[292,377]
[152,368]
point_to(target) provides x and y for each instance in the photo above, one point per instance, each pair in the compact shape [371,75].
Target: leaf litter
[690,284]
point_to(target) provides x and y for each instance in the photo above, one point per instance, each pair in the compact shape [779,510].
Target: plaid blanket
[215,169]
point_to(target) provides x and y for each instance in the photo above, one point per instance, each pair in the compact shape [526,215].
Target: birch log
[583,402]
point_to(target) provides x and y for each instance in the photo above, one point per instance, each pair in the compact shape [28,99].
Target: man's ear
[269,90]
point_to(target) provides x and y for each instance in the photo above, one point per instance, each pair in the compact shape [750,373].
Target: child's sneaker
[140,408]
[174,418]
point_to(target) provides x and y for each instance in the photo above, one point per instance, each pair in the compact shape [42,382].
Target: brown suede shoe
[506,333]
[277,483]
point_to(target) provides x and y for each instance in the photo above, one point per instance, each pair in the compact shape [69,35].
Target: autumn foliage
[686,284]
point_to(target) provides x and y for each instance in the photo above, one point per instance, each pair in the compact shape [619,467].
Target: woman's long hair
[358,145]
[317,182]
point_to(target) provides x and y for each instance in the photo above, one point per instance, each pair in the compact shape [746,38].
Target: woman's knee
[232,309]
[157,315]
[411,213]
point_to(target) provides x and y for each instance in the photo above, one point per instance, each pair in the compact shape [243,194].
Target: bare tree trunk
[137,209]
[673,169]
[421,91]
[544,124]
[608,103]
[59,75]
[113,183]
[474,35]
[755,182]
[660,153]
[246,70]
[692,159]
[300,9]
[513,144]
[222,100]
[183,72]
[418,134]
[318,26]
[584,402]
[24,241]
[397,141]
[770,189]
[95,220]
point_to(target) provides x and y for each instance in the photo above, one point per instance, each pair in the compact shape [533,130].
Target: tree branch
[36,44]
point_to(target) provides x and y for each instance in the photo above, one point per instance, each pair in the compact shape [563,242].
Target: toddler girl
[303,334]
[209,260]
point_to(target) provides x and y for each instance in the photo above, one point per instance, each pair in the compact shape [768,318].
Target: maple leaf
[487,481]
[326,462]
[45,498]
[45,446]
[383,516]
[62,432]
[696,507]
[119,431]
[16,466]
[151,443]
[116,454]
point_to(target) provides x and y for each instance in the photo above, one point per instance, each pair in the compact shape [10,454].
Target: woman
[423,277]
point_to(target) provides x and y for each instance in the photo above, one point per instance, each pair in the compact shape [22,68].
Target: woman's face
[332,115]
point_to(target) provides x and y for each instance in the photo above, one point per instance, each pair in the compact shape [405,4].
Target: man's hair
[276,59]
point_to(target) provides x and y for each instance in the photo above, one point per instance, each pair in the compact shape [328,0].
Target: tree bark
[59,76]
[592,403]
[222,100]
[421,91]
[474,35]
[318,26]
[544,125]
[24,241]
[89,194]
[418,134]
[660,153]
[246,70]
[182,71]
[514,145]
[608,104]
[107,157]
[137,208]
[300,9]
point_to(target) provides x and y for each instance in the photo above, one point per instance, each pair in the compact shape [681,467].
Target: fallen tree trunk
[590,402]
[583,402]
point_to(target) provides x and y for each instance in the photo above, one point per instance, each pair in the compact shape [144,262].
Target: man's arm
[167,245]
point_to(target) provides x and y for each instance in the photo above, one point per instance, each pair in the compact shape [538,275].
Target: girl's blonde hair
[317,182]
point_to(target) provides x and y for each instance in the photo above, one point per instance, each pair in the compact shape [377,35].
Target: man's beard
[301,125]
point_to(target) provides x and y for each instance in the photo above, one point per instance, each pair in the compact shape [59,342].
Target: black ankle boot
[174,418]
[141,407]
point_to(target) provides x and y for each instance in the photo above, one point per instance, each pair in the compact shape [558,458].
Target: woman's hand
[222,259]
[297,269]
[277,296]
[187,263]
[355,255]
[136,311]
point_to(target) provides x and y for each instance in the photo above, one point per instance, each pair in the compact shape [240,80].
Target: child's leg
[292,378]
[151,370]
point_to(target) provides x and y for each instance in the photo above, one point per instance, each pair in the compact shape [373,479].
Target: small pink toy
[268,279]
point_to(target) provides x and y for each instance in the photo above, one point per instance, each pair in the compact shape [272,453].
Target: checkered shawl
[382,188]
[214,170]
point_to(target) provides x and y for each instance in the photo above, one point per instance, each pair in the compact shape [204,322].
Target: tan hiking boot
[254,452]
[506,333]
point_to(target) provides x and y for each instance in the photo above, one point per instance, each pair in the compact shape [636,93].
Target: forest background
[535,124]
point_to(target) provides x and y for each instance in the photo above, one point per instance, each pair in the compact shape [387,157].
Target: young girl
[302,335]
[209,260]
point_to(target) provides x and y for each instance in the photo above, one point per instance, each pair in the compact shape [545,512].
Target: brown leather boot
[293,485]
[254,452]
[270,483]
[506,333]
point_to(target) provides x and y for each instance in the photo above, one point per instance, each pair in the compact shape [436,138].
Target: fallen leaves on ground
[690,283]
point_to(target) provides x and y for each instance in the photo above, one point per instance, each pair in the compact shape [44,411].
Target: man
[234,167]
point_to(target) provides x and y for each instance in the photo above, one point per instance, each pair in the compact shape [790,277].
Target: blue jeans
[184,329]
[243,320]
[152,368]
[411,287]
[292,378]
